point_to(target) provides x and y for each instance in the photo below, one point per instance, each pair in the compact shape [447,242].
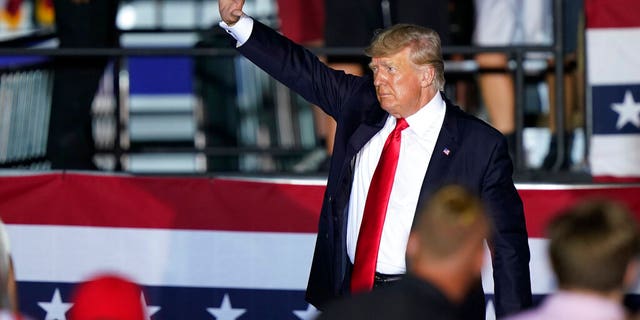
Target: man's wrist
[240,30]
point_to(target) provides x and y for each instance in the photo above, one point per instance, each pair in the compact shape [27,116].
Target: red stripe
[540,206]
[612,13]
[215,204]
[612,179]
[152,202]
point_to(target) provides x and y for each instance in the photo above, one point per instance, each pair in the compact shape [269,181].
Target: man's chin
[392,111]
[385,104]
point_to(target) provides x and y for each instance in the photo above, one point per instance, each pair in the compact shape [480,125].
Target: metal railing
[518,53]
[25,100]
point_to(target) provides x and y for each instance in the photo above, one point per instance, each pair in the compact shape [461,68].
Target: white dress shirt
[416,148]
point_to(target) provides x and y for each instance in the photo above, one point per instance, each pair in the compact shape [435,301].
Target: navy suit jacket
[477,158]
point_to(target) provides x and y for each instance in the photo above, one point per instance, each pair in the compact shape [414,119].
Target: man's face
[399,84]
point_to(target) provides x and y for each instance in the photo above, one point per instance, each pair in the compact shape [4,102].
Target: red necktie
[375,210]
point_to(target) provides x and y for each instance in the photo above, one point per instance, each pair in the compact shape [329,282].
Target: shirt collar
[428,118]
[599,307]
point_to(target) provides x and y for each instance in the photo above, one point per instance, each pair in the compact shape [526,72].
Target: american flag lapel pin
[446,151]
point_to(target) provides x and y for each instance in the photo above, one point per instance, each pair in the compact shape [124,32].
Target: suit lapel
[444,152]
[373,122]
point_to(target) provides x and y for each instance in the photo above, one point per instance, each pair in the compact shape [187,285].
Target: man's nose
[378,78]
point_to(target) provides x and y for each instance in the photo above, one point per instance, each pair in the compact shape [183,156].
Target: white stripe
[188,258]
[615,155]
[542,278]
[217,259]
[163,257]
[612,56]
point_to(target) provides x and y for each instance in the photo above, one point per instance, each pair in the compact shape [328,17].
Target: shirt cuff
[241,30]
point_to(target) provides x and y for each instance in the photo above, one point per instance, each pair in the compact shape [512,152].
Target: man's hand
[230,10]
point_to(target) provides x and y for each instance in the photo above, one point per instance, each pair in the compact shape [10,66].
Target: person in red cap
[107,297]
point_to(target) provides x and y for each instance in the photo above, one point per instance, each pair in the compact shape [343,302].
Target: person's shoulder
[408,299]
[353,307]
[377,304]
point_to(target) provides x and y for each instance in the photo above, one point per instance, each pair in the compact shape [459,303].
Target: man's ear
[428,75]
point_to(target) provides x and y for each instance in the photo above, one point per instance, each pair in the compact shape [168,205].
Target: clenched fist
[230,10]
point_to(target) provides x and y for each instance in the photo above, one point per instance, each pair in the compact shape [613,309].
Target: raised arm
[290,63]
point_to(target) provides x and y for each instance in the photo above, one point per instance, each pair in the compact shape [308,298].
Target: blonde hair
[452,217]
[424,43]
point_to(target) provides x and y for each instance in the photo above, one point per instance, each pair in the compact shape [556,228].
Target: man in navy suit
[441,145]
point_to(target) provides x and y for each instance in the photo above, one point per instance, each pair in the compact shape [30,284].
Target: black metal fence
[25,97]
